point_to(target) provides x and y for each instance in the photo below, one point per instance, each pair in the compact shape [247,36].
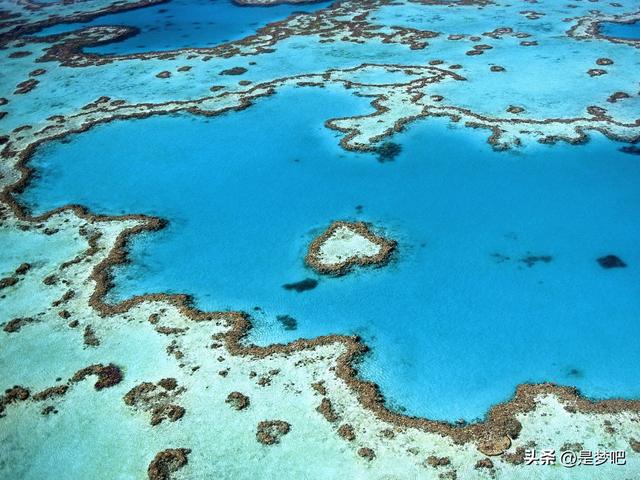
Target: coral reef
[167,462]
[345,245]
[270,431]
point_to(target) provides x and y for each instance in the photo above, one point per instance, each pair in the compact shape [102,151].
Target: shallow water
[626,31]
[458,319]
[186,23]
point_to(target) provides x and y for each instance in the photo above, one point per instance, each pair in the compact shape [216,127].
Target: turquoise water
[458,319]
[627,31]
[186,23]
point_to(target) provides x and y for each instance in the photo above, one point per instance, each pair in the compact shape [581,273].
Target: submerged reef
[388,151]
[108,375]
[632,149]
[158,400]
[271,431]
[168,462]
[611,261]
[238,401]
[302,285]
[309,390]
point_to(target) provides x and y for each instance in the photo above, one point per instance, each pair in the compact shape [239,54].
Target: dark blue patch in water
[625,31]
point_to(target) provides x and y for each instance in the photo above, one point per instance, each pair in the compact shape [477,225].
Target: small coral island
[345,245]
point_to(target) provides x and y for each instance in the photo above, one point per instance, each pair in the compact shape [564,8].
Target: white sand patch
[344,244]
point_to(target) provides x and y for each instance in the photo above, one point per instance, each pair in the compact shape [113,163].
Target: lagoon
[467,309]
[186,24]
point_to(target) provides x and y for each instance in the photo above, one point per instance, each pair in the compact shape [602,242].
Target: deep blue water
[627,31]
[186,23]
[458,319]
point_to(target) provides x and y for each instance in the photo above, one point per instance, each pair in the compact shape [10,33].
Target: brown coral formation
[26,86]
[8,282]
[234,71]
[66,296]
[438,461]
[604,61]
[596,111]
[169,330]
[493,445]
[169,412]
[616,96]
[89,337]
[19,54]
[271,431]
[319,388]
[326,409]
[108,375]
[532,14]
[484,463]
[23,268]
[51,392]
[238,401]
[517,457]
[14,325]
[576,447]
[12,395]
[134,396]
[596,72]
[515,109]
[158,400]
[167,462]
[168,383]
[347,432]
[367,453]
